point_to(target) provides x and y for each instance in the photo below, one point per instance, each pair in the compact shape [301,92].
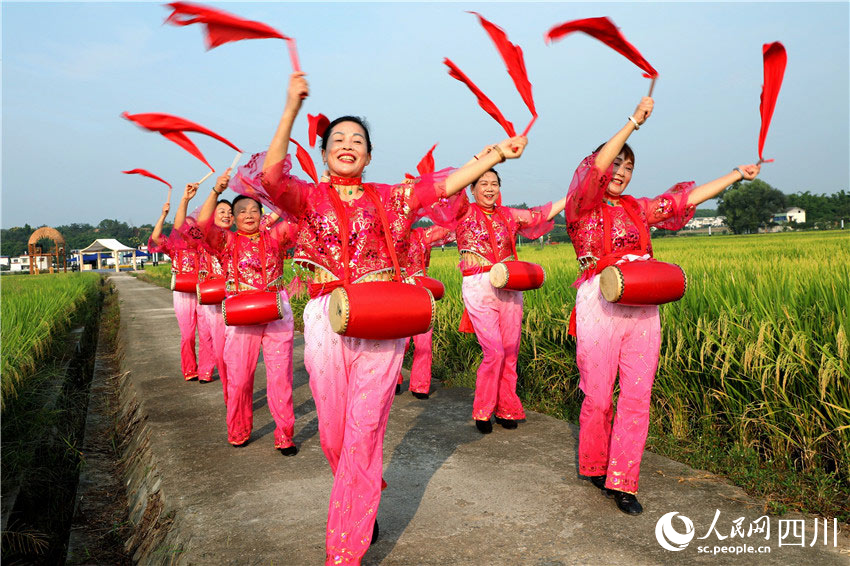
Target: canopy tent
[109,246]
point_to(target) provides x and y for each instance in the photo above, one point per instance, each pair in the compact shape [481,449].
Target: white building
[706,222]
[22,263]
[793,214]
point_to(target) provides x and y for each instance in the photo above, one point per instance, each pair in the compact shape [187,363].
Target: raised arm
[208,208]
[298,90]
[713,188]
[510,148]
[188,193]
[612,147]
[156,235]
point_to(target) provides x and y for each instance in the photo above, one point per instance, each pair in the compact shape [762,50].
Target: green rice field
[35,311]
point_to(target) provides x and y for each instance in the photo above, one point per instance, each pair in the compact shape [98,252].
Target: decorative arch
[59,249]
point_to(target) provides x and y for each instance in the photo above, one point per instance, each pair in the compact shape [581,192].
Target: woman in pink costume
[352,380]
[183,260]
[607,227]
[210,323]
[418,258]
[486,234]
[252,258]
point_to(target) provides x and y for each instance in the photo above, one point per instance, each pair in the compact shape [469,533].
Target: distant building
[793,214]
[706,222]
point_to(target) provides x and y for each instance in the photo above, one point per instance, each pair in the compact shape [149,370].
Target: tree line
[13,241]
[747,206]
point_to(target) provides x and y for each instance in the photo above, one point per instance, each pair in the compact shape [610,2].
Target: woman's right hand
[190,191]
[643,110]
[165,208]
[298,89]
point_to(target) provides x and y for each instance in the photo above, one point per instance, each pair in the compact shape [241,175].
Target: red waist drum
[517,276]
[643,283]
[184,282]
[381,310]
[252,307]
[211,291]
[434,285]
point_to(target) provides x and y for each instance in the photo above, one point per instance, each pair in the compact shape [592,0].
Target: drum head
[338,310]
[499,275]
[611,283]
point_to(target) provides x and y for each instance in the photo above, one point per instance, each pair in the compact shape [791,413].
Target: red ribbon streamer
[317,125]
[172,128]
[775,59]
[483,101]
[305,161]
[515,63]
[605,31]
[146,174]
[221,27]
[426,164]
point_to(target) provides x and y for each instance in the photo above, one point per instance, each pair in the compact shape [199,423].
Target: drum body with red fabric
[643,283]
[247,308]
[184,282]
[381,310]
[517,276]
[434,285]
[211,291]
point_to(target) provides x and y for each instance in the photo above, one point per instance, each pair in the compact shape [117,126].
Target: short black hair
[243,197]
[357,120]
[626,151]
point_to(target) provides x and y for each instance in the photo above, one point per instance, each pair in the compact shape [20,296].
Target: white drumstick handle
[207,176]
[235,161]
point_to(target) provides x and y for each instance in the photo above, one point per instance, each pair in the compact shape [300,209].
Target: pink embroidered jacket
[318,241]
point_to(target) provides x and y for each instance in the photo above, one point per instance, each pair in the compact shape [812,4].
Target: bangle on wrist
[501,153]
[635,122]
[738,169]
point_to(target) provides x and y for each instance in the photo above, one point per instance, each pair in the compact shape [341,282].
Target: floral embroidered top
[474,237]
[420,243]
[319,239]
[193,236]
[585,213]
[251,261]
[184,259]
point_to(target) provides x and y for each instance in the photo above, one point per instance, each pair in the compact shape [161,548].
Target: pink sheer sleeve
[671,210]
[275,187]
[438,236]
[284,233]
[532,223]
[587,189]
[161,248]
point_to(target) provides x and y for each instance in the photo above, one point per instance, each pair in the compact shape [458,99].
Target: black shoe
[375,532]
[506,423]
[420,395]
[484,427]
[289,450]
[398,389]
[627,502]
[599,481]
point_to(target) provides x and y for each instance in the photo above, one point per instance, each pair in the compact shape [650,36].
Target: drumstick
[207,176]
[168,200]
[652,86]
[235,160]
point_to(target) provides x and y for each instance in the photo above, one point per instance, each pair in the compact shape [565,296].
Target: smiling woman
[349,233]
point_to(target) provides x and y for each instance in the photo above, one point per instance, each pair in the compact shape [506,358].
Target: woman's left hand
[750,172]
[513,147]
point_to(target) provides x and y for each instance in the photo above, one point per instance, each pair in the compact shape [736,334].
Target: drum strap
[492,234]
[345,228]
[235,259]
[631,208]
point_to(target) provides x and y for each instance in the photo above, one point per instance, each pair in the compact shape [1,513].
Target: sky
[70,69]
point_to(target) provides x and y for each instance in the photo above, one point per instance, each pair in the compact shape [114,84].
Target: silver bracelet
[738,169]
[635,122]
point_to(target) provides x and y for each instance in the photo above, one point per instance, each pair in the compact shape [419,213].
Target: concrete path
[455,497]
